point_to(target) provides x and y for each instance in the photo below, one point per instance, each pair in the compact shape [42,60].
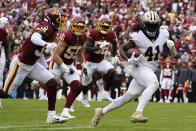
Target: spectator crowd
[178,16]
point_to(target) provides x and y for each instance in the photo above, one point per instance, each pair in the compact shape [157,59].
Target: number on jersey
[71,52]
[102,51]
[152,55]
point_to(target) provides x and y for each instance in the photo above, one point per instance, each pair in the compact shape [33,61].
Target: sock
[118,102]
[93,91]
[51,112]
[108,81]
[146,96]
[3,94]
[65,109]
[51,93]
[74,92]
[161,95]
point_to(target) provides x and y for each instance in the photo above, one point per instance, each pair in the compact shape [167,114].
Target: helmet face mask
[78,26]
[104,25]
[151,23]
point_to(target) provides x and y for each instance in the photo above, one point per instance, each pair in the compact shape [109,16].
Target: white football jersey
[150,49]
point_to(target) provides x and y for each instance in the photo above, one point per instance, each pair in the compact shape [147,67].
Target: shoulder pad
[45,28]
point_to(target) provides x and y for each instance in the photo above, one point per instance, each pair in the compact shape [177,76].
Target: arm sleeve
[36,39]
[42,61]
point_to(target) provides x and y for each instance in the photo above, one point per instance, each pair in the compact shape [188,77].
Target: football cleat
[85,101]
[67,115]
[71,109]
[137,117]
[97,116]
[104,93]
[53,118]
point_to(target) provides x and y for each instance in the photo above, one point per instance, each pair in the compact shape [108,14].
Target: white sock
[0,102]
[118,102]
[65,109]
[146,96]
[51,112]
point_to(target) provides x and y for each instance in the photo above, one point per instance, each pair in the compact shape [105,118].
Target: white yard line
[44,128]
[149,128]
[66,128]
[17,126]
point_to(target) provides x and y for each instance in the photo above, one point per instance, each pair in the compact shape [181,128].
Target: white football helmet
[151,23]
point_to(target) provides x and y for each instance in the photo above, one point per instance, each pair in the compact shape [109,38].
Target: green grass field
[27,115]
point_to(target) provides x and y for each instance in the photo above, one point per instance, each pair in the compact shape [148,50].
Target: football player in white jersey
[151,40]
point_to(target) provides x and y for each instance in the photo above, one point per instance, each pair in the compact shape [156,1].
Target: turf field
[27,115]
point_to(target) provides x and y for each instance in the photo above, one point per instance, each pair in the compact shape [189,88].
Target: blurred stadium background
[178,16]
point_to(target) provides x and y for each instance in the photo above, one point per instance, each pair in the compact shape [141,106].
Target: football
[136,50]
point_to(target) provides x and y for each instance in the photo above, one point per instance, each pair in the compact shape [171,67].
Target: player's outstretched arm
[125,47]
[170,48]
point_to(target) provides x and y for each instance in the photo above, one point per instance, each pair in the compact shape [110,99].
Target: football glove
[51,46]
[115,60]
[172,49]
[84,69]
[66,69]
[34,84]
[133,59]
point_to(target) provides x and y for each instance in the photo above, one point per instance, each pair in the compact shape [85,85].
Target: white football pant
[144,83]
[19,71]
[103,66]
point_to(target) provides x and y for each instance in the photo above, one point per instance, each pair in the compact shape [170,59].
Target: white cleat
[67,115]
[53,118]
[137,117]
[161,101]
[34,84]
[71,109]
[105,94]
[85,101]
[97,116]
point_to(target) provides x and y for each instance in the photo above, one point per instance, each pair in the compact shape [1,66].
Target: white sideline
[149,128]
[44,128]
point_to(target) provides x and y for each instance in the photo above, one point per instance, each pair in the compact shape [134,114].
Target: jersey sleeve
[133,36]
[3,35]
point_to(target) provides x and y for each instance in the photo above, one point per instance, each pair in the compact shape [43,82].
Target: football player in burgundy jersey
[5,36]
[69,48]
[26,65]
[99,40]
[166,80]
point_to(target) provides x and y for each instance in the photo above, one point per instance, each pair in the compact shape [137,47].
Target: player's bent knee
[75,85]
[51,83]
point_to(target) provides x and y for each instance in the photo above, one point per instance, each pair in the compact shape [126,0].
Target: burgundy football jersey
[167,72]
[98,56]
[3,35]
[31,52]
[74,45]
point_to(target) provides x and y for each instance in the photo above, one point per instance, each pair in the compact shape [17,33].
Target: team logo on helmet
[57,18]
[78,25]
[151,23]
[104,25]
